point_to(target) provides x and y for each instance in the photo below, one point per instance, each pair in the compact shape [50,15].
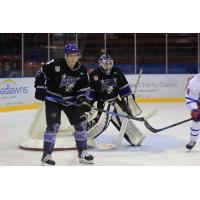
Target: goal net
[34,140]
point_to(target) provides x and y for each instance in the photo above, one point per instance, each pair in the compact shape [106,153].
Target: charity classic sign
[16,91]
[159,86]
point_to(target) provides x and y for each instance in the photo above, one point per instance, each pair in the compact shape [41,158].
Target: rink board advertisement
[20,91]
[159,86]
[16,91]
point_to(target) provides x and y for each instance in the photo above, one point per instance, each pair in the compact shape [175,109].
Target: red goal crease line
[139,100]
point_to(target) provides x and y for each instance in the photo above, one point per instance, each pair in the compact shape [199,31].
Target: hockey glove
[196,114]
[40,92]
[84,104]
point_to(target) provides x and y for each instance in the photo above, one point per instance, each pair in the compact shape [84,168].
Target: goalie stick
[154,130]
[138,80]
[117,142]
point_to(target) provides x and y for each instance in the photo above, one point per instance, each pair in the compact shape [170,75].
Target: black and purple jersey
[63,84]
[107,87]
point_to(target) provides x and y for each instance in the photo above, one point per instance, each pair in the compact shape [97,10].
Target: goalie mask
[106,63]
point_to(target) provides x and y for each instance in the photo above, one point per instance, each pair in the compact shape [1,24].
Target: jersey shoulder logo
[57,68]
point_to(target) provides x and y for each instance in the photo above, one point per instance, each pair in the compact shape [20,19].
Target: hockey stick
[118,141]
[136,87]
[138,80]
[154,130]
[141,119]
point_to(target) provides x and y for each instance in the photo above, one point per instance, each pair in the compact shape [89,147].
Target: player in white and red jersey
[192,98]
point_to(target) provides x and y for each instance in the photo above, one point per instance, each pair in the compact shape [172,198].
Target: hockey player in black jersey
[63,83]
[108,84]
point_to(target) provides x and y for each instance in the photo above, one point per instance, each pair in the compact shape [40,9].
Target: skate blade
[86,161]
[45,164]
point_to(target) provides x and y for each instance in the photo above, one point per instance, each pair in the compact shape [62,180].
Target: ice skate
[47,160]
[85,158]
[190,145]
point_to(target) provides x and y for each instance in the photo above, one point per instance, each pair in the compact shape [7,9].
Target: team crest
[68,82]
[95,78]
[109,85]
[57,68]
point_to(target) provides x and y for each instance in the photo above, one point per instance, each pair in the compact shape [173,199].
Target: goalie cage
[34,140]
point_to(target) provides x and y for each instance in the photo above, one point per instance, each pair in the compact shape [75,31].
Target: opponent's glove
[40,92]
[84,104]
[196,114]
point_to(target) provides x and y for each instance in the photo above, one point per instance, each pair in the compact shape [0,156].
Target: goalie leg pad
[100,123]
[80,135]
[133,134]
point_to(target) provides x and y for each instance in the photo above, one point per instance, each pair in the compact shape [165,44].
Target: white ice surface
[164,148]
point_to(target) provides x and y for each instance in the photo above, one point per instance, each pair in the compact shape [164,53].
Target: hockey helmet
[71,48]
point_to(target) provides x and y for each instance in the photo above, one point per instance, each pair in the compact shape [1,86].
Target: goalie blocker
[98,122]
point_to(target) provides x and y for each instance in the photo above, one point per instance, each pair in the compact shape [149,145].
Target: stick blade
[150,114]
[105,147]
[149,127]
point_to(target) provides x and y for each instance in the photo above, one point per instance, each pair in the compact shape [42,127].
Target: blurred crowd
[9,70]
